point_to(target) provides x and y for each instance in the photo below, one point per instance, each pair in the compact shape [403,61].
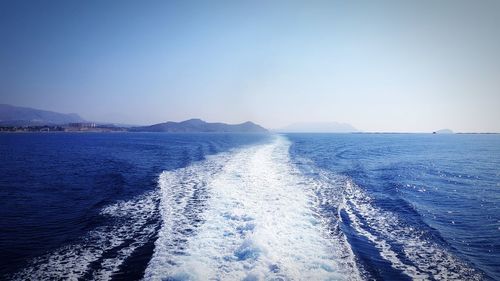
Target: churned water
[249,207]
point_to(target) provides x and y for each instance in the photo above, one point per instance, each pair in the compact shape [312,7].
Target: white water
[248,214]
[245,215]
[104,248]
[424,259]
[420,259]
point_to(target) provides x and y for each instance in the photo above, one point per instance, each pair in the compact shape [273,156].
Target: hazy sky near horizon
[378,65]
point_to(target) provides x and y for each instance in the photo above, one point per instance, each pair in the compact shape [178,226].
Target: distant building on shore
[82,125]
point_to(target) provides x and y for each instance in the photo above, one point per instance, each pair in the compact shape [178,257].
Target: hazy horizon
[380,67]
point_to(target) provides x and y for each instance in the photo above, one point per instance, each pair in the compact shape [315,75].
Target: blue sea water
[131,206]
[53,187]
[441,189]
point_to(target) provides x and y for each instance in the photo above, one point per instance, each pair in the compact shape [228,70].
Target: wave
[420,257]
[407,248]
[103,250]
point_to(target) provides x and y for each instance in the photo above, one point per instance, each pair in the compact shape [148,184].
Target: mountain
[319,127]
[200,126]
[24,116]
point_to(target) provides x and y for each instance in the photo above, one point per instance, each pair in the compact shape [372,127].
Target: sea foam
[102,251]
[255,220]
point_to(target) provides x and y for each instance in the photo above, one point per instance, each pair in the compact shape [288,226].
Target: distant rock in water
[443,131]
[321,127]
[24,116]
[200,126]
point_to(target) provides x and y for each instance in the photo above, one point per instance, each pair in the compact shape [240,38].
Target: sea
[160,206]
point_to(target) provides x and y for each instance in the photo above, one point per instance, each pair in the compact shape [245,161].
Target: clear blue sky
[378,65]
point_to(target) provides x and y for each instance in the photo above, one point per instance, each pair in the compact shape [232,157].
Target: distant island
[443,131]
[318,127]
[200,126]
[25,119]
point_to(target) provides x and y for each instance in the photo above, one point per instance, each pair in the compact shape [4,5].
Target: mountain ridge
[197,125]
[11,115]
[17,116]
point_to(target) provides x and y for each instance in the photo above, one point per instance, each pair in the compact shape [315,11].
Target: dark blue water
[92,206]
[53,186]
[446,186]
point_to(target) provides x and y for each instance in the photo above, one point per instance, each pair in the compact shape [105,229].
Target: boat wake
[250,214]
[246,216]
[103,250]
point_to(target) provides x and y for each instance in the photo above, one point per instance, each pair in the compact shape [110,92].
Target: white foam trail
[248,214]
[133,228]
[253,220]
[421,259]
